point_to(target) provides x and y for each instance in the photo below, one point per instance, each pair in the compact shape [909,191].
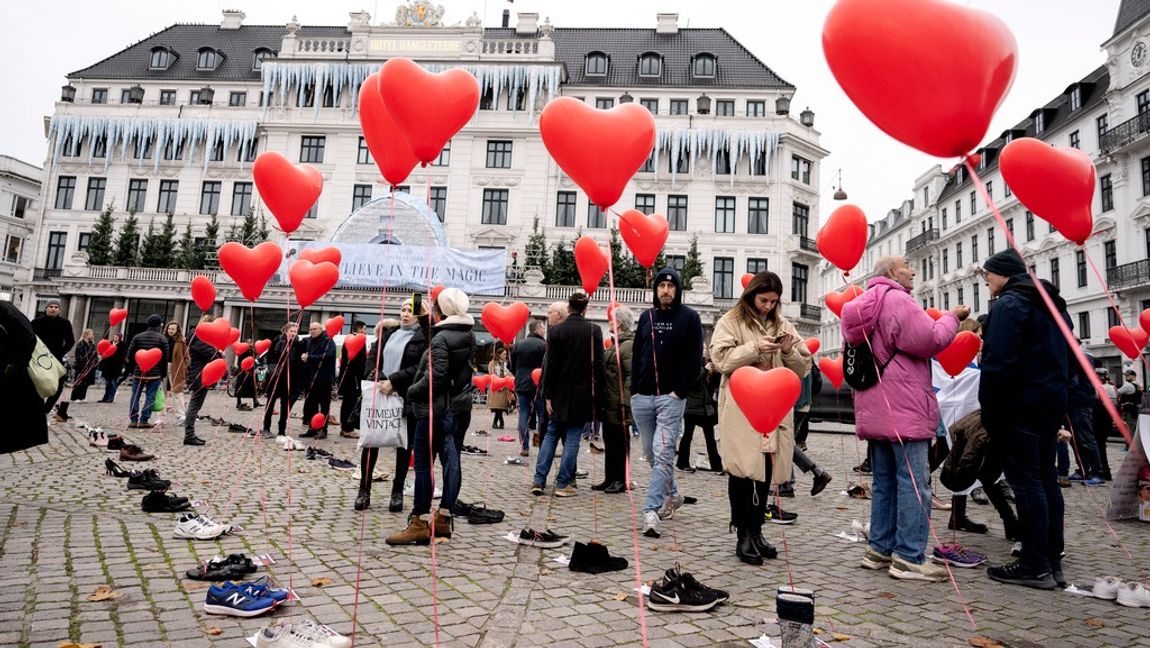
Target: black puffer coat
[449,379]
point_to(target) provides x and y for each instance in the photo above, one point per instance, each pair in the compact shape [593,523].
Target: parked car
[834,406]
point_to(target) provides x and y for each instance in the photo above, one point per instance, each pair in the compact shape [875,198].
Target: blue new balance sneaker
[259,588]
[233,601]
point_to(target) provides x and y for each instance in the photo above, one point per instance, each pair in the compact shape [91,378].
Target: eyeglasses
[981,273]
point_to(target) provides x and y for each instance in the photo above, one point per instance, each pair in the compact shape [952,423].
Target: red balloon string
[1113,305]
[786,547]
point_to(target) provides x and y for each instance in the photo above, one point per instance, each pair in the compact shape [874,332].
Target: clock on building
[1138,54]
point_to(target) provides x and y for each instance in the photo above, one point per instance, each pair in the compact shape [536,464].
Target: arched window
[704,66]
[596,64]
[650,65]
[260,55]
[162,58]
[209,59]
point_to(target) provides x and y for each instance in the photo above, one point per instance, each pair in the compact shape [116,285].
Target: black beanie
[1006,263]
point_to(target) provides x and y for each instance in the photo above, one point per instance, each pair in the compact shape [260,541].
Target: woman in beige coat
[497,400]
[754,334]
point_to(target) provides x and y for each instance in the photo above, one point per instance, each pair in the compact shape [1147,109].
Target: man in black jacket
[665,364]
[56,333]
[526,357]
[201,353]
[351,372]
[318,360]
[147,382]
[574,387]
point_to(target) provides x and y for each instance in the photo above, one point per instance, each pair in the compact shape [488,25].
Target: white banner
[406,267]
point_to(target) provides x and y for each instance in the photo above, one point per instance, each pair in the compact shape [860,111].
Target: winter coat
[149,339]
[22,405]
[573,374]
[55,333]
[351,372]
[319,368]
[734,345]
[85,363]
[1025,360]
[245,380]
[618,387]
[112,367]
[449,376]
[497,400]
[902,405]
[970,457]
[702,409]
[199,354]
[178,375]
[286,368]
[413,352]
[526,357]
[668,345]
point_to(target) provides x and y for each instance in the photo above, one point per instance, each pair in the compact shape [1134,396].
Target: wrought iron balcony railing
[1129,275]
[921,240]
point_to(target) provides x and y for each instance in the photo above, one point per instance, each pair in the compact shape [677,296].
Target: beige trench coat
[733,345]
[497,400]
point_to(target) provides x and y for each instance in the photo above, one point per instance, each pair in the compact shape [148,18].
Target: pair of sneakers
[199,526]
[302,634]
[1126,593]
[679,591]
[243,599]
[545,539]
[901,569]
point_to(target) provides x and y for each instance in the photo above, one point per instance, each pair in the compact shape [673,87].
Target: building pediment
[493,237]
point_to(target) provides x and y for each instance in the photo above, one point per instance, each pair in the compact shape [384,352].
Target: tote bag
[381,420]
[45,370]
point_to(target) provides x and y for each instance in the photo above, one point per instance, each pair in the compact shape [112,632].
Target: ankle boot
[62,412]
[821,481]
[363,500]
[396,503]
[416,533]
[761,545]
[958,519]
[746,550]
[443,523]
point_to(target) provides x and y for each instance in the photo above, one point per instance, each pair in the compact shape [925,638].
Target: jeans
[454,429]
[802,425]
[446,442]
[1102,428]
[194,405]
[900,518]
[110,385]
[529,403]
[403,457]
[1028,462]
[149,389]
[660,423]
[572,434]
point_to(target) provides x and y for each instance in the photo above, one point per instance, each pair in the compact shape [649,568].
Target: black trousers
[51,402]
[748,498]
[403,458]
[284,402]
[318,400]
[349,411]
[713,458]
[802,426]
[1102,429]
[617,446]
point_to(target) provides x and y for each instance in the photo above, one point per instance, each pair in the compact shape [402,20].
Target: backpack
[860,370]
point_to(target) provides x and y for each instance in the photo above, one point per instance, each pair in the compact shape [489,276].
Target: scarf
[393,350]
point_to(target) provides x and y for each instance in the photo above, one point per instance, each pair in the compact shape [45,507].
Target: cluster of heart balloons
[314,274]
[1131,341]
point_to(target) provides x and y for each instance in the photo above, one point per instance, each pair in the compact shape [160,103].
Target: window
[800,219]
[487,100]
[676,261]
[755,266]
[65,190]
[1110,253]
[237,98]
[959,296]
[12,250]
[650,65]
[722,162]
[210,197]
[99,95]
[725,107]
[1075,99]
[645,203]
[498,154]
[328,97]
[944,218]
[800,169]
[1146,176]
[725,215]
[724,278]
[925,196]
[1112,318]
[677,213]
[565,209]
[651,105]
[1147,230]
[99,146]
[495,206]
[974,295]
[246,152]
[260,56]
[799,283]
[1103,122]
[1084,325]
[516,100]
[1106,192]
[1055,273]
[1142,99]
[1010,227]
[362,153]
[957,212]
[167,202]
[1080,267]
[945,260]
[1029,225]
[989,189]
[990,241]
[241,198]
[946,300]
[208,59]
[313,211]
[125,96]
[759,165]
[649,164]
[604,103]
[596,218]
[704,66]
[758,210]
[756,109]
[162,59]
[1005,189]
[174,150]
[680,163]
[974,249]
[596,64]
[311,148]
[19,206]
[958,256]
[360,195]
[305,95]
[678,106]
[439,202]
[444,158]
[95,198]
[57,242]
[1074,139]
[973,204]
[1039,123]
[137,194]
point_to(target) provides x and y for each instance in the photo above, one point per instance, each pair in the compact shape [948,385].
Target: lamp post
[207,95]
[68,93]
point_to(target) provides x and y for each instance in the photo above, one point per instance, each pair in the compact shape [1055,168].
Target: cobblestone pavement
[68,529]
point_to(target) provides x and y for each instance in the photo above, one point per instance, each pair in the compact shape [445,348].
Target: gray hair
[625,318]
[536,326]
[884,265]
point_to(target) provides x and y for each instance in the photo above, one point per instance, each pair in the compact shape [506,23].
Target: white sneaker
[927,571]
[195,527]
[287,636]
[322,634]
[1107,588]
[1134,595]
[651,524]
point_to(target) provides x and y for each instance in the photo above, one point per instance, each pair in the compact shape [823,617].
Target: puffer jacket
[970,457]
[200,353]
[149,339]
[618,410]
[449,378]
[902,405]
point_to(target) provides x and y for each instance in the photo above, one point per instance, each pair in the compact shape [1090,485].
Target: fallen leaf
[524,513]
[818,631]
[213,631]
[321,582]
[654,547]
[675,548]
[71,644]
[841,508]
[838,636]
[1094,623]
[984,642]
[207,482]
[620,596]
[886,595]
[104,593]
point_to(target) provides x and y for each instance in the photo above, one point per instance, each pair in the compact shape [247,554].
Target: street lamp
[783,106]
[807,118]
[626,98]
[68,93]
[207,95]
[703,105]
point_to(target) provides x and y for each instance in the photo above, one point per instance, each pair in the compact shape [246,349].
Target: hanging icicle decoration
[692,143]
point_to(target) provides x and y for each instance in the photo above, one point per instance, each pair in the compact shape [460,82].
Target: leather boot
[958,519]
[746,549]
[443,523]
[363,500]
[821,481]
[761,545]
[416,533]
[62,412]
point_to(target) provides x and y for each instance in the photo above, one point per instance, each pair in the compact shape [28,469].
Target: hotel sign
[391,45]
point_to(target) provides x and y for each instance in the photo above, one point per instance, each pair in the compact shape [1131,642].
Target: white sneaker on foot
[927,571]
[673,503]
[651,524]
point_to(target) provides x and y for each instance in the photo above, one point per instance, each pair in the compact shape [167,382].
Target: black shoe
[601,485]
[676,596]
[593,558]
[688,468]
[216,571]
[615,488]
[396,504]
[363,500]
[115,443]
[786,491]
[195,441]
[762,546]
[148,480]
[821,481]
[1016,574]
[964,524]
[1056,574]
[689,582]
[236,427]
[484,515]
[159,502]
[114,469]
[243,407]
[863,468]
[308,434]
[776,515]
[746,550]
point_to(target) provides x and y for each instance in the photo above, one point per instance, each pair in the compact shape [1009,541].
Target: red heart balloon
[117,315]
[387,143]
[481,382]
[213,371]
[105,349]
[319,421]
[217,333]
[765,397]
[408,91]
[334,325]
[505,322]
[644,235]
[289,190]
[591,261]
[813,345]
[1144,320]
[929,73]
[319,255]
[832,368]
[250,268]
[1056,183]
[247,363]
[599,149]
[746,279]
[240,347]
[148,358]
[608,342]
[354,344]
[233,335]
[537,374]
[961,351]
[1129,341]
[312,280]
[262,346]
[203,292]
[835,300]
[435,290]
[842,240]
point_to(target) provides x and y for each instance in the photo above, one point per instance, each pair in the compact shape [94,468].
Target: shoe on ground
[484,515]
[244,407]
[132,452]
[507,438]
[230,601]
[601,485]
[687,468]
[160,502]
[544,540]
[776,515]
[614,488]
[566,491]
[675,596]
[689,582]
[340,464]
[1094,481]
[444,524]
[863,468]
[581,474]
[956,555]
[965,524]
[786,491]
[417,533]
[1076,477]
[216,571]
[1107,588]
[860,529]
[285,636]
[148,480]
[927,571]
[651,524]
[349,434]
[322,635]
[362,500]
[115,442]
[1064,482]
[524,453]
[821,481]
[672,504]
[307,434]
[872,559]
[536,489]
[1134,595]
[939,504]
[1016,573]
[396,503]
[593,558]
[192,526]
[195,441]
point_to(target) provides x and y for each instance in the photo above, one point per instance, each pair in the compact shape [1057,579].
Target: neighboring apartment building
[172,124]
[19,202]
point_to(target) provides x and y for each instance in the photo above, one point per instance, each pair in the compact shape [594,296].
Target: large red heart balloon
[591,261]
[1057,184]
[644,234]
[387,143]
[289,190]
[312,280]
[836,299]
[930,73]
[354,344]
[813,345]
[1129,341]
[148,358]
[106,349]
[117,315]
[240,347]
[961,351]
[217,333]
[481,382]
[1144,320]
[599,149]
[334,325]
[203,292]
[250,268]
[247,363]
[428,108]
[765,397]
[842,240]
[262,346]
[536,374]
[505,322]
[213,371]
[832,368]
[746,279]
[319,255]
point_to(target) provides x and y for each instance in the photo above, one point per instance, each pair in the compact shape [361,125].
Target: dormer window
[162,58]
[259,57]
[596,64]
[1039,123]
[650,65]
[208,59]
[703,66]
[1075,98]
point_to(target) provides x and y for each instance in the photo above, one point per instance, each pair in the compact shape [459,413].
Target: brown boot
[416,533]
[443,523]
[133,452]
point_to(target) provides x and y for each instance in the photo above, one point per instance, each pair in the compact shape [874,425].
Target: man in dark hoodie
[526,357]
[201,354]
[665,363]
[56,333]
[1023,392]
[147,382]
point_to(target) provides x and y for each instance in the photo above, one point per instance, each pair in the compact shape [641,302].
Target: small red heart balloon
[505,322]
[934,313]
[929,73]
[537,374]
[203,292]
[262,346]
[354,344]
[117,315]
[289,190]
[312,280]
[408,91]
[836,299]
[1129,341]
[213,371]
[250,268]
[591,261]
[832,368]
[813,345]
[387,143]
[599,149]
[1144,320]
[319,255]
[334,325]
[319,421]
[247,363]
[765,397]
[746,279]
[961,351]
[233,335]
[644,235]
[608,342]
[217,333]
[240,347]
[842,240]
[481,382]
[105,349]
[1056,183]
[435,290]
[148,358]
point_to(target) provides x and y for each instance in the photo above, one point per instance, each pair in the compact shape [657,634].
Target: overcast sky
[40,42]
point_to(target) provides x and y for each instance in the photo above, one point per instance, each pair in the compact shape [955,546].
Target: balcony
[808,244]
[1129,275]
[45,274]
[1126,133]
[921,240]
[810,312]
